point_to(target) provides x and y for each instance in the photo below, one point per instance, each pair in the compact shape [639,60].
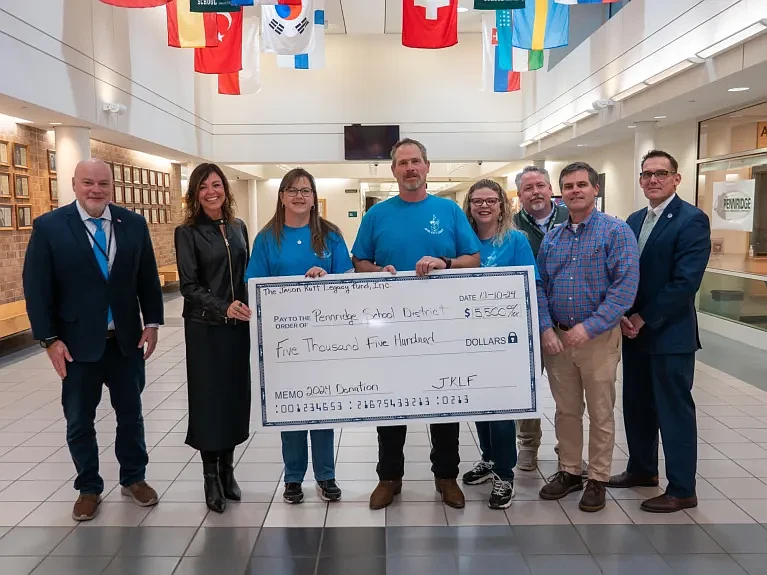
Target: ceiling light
[461,9]
[734,40]
[674,70]
[630,92]
[631,127]
[583,145]
[740,89]
[661,117]
[55,123]
[582,116]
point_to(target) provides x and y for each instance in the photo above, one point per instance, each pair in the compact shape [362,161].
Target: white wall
[338,203]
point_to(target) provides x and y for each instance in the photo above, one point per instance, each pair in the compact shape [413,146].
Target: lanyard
[109,243]
[549,224]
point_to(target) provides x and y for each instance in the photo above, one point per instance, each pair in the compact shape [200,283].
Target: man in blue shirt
[415,231]
[589,277]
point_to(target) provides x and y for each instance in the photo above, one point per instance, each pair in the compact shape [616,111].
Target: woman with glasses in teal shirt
[297,241]
[489,212]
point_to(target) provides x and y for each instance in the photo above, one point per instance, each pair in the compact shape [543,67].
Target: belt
[230,321]
[563,327]
[111,333]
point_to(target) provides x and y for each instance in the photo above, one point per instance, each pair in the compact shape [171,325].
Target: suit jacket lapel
[81,236]
[118,227]
[666,218]
[635,222]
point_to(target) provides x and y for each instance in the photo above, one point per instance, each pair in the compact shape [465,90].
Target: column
[73,145]
[644,141]
[252,222]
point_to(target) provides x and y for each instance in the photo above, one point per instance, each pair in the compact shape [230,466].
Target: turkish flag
[227,56]
[135,3]
[429,23]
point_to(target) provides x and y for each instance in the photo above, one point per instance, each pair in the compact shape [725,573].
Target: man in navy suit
[89,275]
[661,338]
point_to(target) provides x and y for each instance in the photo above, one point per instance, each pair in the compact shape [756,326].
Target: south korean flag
[288,30]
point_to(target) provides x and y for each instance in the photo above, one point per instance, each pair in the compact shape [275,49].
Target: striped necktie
[102,257]
[647,227]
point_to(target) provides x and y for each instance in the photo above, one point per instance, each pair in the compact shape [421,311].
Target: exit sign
[352,214]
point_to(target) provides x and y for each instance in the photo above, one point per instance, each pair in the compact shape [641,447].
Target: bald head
[93,186]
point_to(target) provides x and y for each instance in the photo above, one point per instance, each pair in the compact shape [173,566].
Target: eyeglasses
[293,192]
[477,202]
[660,175]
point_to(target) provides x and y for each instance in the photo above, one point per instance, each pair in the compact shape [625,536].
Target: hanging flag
[493,77]
[499,4]
[503,34]
[586,1]
[213,6]
[265,2]
[429,23]
[316,57]
[287,29]
[187,29]
[227,56]
[248,80]
[240,3]
[135,3]
[526,60]
[543,24]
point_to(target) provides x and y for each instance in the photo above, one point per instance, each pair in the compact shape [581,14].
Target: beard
[412,185]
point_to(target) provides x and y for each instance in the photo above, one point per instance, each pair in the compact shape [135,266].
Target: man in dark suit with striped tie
[661,338]
[89,275]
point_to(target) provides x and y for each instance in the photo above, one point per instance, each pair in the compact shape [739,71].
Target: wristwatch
[448,262]
[48,342]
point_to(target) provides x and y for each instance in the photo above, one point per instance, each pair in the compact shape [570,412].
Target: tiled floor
[417,534]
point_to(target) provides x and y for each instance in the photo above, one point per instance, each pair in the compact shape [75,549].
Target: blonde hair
[505,219]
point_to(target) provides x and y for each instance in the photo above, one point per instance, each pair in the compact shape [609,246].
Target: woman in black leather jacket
[212,252]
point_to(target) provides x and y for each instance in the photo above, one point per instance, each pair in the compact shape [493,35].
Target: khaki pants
[529,434]
[590,368]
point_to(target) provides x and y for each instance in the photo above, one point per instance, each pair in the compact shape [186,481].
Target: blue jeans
[498,443]
[295,454]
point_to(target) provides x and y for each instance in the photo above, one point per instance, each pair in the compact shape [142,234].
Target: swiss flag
[429,23]
[227,56]
[135,3]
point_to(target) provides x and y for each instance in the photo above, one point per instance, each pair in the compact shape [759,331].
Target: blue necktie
[101,254]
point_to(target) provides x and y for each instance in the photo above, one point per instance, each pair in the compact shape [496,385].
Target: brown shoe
[667,504]
[86,507]
[626,480]
[452,496]
[559,485]
[384,493]
[593,498]
[142,494]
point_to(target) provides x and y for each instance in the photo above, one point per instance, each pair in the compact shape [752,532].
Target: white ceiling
[384,17]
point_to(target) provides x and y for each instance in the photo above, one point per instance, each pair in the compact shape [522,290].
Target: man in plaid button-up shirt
[589,271]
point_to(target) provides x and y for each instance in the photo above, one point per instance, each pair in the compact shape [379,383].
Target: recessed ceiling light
[741,89]
[660,117]
[632,126]
[583,145]
[55,123]
[462,9]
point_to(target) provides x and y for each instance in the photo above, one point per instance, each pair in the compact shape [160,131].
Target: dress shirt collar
[661,207]
[107,215]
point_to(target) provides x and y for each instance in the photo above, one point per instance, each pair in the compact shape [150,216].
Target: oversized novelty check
[382,349]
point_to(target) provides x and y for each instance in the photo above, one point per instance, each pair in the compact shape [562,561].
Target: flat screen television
[369,142]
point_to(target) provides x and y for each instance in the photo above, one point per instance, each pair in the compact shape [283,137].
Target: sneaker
[560,484]
[527,460]
[141,493]
[502,493]
[293,493]
[86,507]
[329,490]
[482,472]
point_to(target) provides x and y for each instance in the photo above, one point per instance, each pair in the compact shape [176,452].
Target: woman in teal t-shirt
[297,241]
[489,213]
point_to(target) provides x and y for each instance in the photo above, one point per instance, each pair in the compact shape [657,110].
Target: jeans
[81,394]
[295,454]
[444,452]
[497,441]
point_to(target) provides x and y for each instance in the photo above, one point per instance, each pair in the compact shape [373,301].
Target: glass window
[739,299]
[742,131]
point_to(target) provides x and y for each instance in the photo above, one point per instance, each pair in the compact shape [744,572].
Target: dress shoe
[560,484]
[384,493]
[214,491]
[667,504]
[141,493]
[226,473]
[452,496]
[626,480]
[86,507]
[593,498]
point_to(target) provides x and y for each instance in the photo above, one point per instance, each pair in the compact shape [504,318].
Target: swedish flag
[541,25]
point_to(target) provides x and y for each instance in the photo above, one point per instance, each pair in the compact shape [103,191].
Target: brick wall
[13,243]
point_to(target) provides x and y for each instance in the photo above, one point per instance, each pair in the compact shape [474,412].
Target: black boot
[226,472]
[214,491]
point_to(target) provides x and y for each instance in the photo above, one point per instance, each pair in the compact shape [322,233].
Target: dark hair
[577,167]
[320,228]
[192,206]
[505,223]
[408,142]
[661,154]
